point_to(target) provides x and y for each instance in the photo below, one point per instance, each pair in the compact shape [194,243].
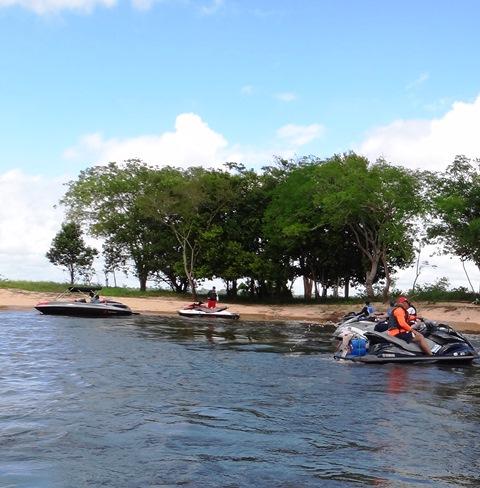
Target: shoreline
[463,316]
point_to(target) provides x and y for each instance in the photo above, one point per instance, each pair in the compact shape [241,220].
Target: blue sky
[201,82]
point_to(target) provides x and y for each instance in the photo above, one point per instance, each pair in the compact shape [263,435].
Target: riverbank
[462,315]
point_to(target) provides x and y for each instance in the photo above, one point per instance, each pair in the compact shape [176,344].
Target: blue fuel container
[358,346]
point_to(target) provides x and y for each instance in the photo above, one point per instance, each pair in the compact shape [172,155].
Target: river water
[155,402]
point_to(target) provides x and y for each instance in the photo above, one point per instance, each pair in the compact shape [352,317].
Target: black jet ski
[83,301]
[199,310]
[446,344]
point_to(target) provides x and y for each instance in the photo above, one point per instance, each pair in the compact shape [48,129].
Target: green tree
[294,222]
[109,199]
[190,204]
[69,250]
[456,206]
[236,246]
[378,203]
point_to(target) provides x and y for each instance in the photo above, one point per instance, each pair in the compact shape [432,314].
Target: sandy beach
[462,315]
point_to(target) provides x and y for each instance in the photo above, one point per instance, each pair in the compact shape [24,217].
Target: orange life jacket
[394,328]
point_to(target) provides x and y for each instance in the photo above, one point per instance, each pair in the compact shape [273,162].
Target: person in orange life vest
[399,327]
[212,298]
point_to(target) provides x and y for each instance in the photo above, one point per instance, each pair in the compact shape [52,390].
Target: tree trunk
[335,289]
[346,290]
[189,268]
[251,286]
[370,276]
[388,280]
[317,293]
[307,287]
[143,282]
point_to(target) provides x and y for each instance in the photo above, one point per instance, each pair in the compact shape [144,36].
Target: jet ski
[84,302]
[358,324]
[373,346]
[199,310]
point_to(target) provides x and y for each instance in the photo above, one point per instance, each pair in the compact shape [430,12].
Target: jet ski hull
[373,359]
[202,313]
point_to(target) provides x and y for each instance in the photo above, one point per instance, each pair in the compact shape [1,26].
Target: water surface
[153,402]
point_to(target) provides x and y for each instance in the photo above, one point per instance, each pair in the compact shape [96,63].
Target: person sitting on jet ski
[399,327]
[412,313]
[367,310]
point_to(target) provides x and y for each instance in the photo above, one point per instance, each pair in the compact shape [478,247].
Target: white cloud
[286,96]
[212,7]
[299,135]
[418,81]
[247,90]
[428,144]
[45,7]
[28,223]
[42,7]
[192,142]
[143,4]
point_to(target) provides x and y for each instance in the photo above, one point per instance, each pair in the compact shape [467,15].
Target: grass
[52,287]
[425,294]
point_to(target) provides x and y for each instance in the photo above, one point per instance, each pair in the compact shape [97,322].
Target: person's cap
[402,300]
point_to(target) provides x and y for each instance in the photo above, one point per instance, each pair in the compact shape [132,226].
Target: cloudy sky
[188,82]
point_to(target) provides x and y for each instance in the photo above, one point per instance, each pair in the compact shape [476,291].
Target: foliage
[70,251]
[440,291]
[36,286]
[109,199]
[376,202]
[456,204]
[295,231]
[190,206]
[340,221]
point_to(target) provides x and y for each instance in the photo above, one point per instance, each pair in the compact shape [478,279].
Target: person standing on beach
[212,298]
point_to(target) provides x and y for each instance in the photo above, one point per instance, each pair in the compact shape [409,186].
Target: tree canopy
[339,221]
[70,251]
[456,206]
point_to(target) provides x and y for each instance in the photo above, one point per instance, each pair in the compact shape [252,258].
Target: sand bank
[463,316]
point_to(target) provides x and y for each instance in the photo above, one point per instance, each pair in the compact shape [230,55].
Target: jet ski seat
[381,326]
[384,337]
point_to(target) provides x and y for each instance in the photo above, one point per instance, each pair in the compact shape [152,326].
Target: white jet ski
[199,310]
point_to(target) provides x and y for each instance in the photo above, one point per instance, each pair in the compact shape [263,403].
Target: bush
[440,291]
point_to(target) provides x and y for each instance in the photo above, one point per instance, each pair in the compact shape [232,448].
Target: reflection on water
[151,401]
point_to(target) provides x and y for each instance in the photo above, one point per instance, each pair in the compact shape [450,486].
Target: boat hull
[77,309]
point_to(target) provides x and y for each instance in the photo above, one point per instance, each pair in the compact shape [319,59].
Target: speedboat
[377,346]
[199,310]
[87,304]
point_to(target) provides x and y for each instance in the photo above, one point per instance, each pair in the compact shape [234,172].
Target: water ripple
[151,401]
